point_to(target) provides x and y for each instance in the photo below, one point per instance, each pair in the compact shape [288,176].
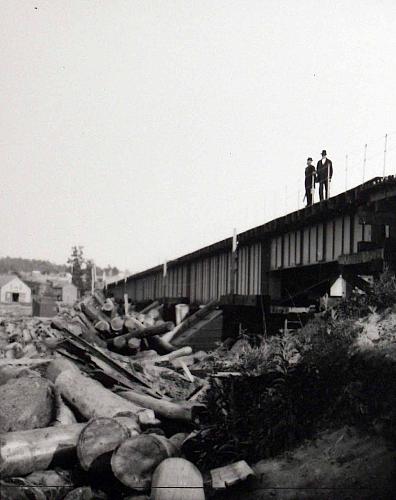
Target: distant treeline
[18,264]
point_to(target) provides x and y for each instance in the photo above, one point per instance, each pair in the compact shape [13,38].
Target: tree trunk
[22,452]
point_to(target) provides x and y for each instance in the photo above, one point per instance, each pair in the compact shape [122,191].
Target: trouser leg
[308,194]
[327,188]
[321,190]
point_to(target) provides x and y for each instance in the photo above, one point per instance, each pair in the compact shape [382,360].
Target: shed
[13,290]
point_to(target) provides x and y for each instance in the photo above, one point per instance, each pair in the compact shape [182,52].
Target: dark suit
[309,183]
[324,173]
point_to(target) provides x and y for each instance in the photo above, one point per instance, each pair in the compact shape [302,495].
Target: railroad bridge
[293,259]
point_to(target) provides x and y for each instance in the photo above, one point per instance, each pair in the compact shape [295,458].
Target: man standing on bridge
[310,177]
[324,173]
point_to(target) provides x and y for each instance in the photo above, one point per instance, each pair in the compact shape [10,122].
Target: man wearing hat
[310,176]
[324,173]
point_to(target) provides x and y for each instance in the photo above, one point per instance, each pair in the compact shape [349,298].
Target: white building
[13,290]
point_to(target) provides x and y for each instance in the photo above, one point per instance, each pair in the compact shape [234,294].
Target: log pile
[122,400]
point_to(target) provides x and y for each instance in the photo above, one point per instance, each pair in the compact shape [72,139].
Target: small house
[13,290]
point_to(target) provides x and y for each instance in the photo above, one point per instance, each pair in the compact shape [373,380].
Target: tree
[76,263]
[88,274]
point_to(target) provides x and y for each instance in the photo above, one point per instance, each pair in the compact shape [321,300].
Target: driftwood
[163,408]
[190,321]
[177,479]
[136,458]
[23,452]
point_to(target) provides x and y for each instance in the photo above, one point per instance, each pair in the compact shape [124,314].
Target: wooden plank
[226,476]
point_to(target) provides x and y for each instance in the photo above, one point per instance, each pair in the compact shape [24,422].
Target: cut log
[99,298]
[132,324]
[190,320]
[183,351]
[143,332]
[91,398]
[161,345]
[103,326]
[133,346]
[22,452]
[177,479]
[57,366]
[99,436]
[118,342]
[178,439]
[136,458]
[117,324]
[162,408]
[90,334]
[64,415]
[147,419]
[93,314]
[229,475]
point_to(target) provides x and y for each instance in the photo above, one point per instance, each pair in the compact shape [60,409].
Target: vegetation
[18,264]
[291,386]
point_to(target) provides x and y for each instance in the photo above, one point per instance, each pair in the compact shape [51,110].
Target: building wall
[69,294]
[15,286]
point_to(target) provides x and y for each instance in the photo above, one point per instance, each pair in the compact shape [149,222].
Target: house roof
[6,278]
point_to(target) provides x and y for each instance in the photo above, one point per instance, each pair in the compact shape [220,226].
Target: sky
[144,130]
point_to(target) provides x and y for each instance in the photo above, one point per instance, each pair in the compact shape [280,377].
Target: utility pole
[164,279]
[93,278]
[385,150]
[234,263]
[364,162]
[346,172]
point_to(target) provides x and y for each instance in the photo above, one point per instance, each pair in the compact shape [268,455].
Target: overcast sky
[144,130]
